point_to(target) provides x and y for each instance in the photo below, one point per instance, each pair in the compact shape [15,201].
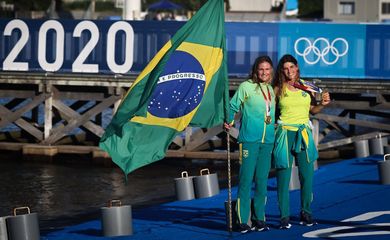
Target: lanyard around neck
[267,100]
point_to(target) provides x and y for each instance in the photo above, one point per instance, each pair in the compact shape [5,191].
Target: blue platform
[349,203]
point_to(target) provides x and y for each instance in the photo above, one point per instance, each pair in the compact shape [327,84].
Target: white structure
[250,5]
[253,10]
[357,10]
[253,5]
[131,9]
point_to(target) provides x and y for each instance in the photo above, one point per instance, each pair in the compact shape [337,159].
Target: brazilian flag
[186,83]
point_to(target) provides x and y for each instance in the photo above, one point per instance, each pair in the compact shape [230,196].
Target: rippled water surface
[67,191]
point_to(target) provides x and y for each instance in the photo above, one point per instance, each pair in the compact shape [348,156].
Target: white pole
[131,9]
[90,12]
[282,15]
[52,10]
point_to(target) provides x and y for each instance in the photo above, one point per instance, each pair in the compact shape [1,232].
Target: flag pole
[229,182]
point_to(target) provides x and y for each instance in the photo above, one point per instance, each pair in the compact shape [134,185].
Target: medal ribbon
[306,86]
[267,100]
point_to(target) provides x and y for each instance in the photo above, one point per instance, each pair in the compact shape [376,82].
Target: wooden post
[352,128]
[117,91]
[187,137]
[48,123]
[316,131]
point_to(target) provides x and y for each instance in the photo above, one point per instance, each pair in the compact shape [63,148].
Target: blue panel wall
[150,37]
[378,51]
[246,41]
[325,49]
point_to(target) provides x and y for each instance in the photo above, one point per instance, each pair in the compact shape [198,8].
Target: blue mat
[349,203]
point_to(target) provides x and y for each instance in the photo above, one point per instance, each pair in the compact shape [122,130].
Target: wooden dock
[56,113]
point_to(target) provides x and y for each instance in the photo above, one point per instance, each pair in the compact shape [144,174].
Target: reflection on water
[64,190]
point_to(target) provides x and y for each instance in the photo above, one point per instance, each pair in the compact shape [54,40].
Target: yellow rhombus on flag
[185,84]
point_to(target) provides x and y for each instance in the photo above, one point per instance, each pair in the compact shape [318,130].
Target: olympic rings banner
[323,50]
[331,50]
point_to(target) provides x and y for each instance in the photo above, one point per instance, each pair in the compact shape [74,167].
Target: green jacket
[303,142]
[249,99]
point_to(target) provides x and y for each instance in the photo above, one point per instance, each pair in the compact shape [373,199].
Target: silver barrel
[294,180]
[116,220]
[361,149]
[385,141]
[206,185]
[384,170]
[235,221]
[386,149]
[376,145]
[23,226]
[184,187]
[3,228]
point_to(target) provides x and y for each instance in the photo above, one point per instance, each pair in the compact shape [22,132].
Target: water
[72,190]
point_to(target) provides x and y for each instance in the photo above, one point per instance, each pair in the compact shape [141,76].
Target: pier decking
[349,203]
[64,113]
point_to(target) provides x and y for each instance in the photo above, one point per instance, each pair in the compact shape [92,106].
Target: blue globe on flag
[180,87]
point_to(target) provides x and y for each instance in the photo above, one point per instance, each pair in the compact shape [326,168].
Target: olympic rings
[314,47]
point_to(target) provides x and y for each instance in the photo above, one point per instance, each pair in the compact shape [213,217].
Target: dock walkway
[349,203]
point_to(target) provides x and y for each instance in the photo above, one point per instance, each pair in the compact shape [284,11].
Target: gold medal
[268,120]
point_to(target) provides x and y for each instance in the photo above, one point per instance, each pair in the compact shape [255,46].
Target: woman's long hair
[280,77]
[258,61]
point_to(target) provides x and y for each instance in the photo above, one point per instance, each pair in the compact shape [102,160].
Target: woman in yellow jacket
[294,138]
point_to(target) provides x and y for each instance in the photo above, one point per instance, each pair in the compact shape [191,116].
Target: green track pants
[255,159]
[283,175]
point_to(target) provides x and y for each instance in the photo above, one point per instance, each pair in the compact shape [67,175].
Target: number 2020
[79,64]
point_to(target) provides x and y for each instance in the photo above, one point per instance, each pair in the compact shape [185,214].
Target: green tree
[311,9]
[28,5]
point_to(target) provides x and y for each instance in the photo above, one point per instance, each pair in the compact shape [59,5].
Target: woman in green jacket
[255,100]
[294,138]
